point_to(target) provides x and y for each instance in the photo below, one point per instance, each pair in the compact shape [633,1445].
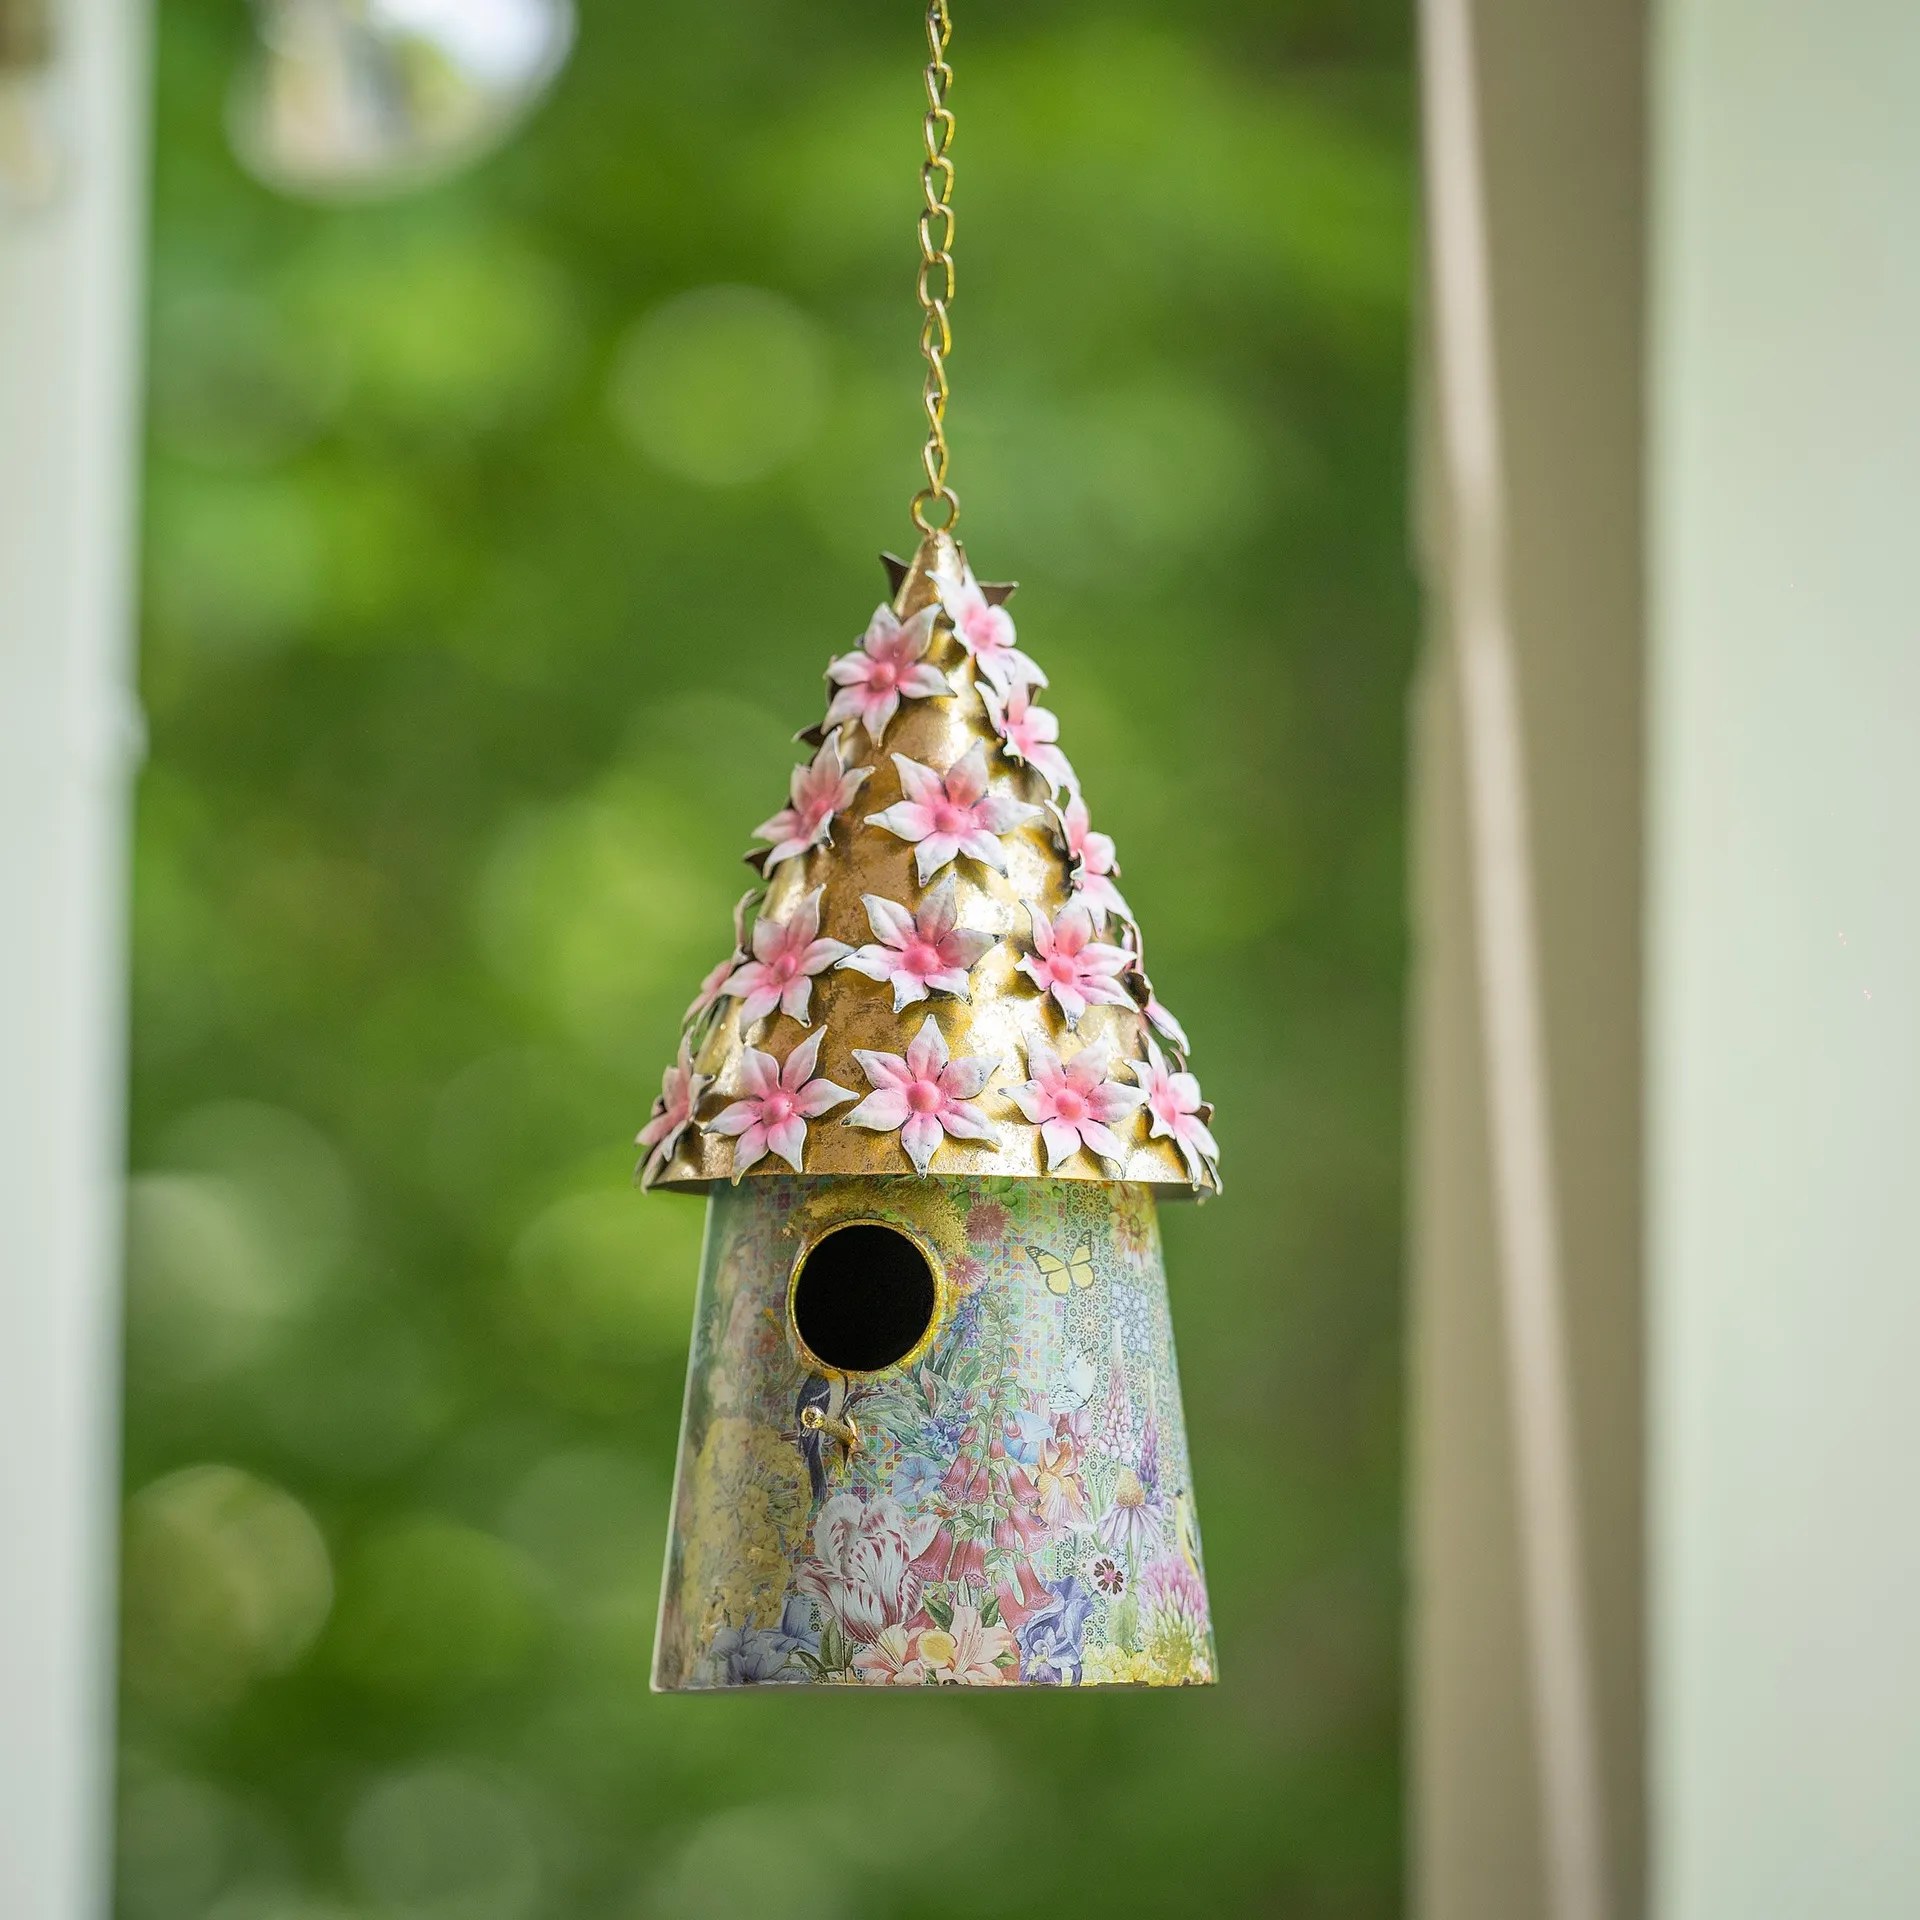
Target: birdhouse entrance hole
[863,1297]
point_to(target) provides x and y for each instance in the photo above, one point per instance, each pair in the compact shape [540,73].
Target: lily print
[890,665]
[922,952]
[946,815]
[819,794]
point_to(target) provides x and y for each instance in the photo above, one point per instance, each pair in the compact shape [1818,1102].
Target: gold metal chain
[935,282]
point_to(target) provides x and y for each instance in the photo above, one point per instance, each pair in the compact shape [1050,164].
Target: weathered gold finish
[936,262]
[1004,1010]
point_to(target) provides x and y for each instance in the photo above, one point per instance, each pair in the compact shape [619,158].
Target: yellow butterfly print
[1062,1276]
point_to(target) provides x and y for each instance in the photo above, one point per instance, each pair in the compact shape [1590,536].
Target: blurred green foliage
[496,539]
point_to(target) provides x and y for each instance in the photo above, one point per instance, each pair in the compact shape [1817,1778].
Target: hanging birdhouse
[933,1429]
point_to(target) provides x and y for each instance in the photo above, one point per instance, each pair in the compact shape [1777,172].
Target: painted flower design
[1108,1576]
[952,813]
[819,793]
[680,1091]
[1058,1495]
[1075,1103]
[919,953]
[786,955]
[1030,734]
[925,1096]
[778,1101]
[1134,1524]
[755,1656]
[966,1652]
[1050,1636]
[890,665]
[1176,1111]
[1093,862]
[1071,965]
[893,1660]
[861,1569]
[1116,1424]
[1170,1585]
[986,631]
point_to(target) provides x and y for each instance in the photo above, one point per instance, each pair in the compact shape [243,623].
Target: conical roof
[936,864]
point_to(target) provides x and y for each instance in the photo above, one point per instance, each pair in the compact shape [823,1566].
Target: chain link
[934,284]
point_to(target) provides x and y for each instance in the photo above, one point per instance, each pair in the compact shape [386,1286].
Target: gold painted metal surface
[1005,1009]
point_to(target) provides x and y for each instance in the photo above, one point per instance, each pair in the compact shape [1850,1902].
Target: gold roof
[1005,1013]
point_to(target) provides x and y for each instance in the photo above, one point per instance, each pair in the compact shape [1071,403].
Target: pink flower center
[783,966]
[882,677]
[949,817]
[1070,1105]
[777,1106]
[1064,967]
[920,958]
[924,1097]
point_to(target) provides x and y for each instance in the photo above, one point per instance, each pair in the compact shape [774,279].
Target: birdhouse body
[933,1431]
[1017,1505]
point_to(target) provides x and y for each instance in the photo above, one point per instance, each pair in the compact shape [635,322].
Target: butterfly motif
[1074,1389]
[1062,1276]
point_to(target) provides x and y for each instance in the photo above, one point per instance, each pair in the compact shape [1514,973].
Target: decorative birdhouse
[933,1430]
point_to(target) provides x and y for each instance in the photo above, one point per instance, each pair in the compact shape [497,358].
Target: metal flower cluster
[1090,953]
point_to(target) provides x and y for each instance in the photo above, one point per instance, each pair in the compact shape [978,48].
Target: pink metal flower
[777,1103]
[1028,733]
[1076,1104]
[1166,1024]
[925,1095]
[786,955]
[919,953]
[890,666]
[945,815]
[1093,862]
[1069,963]
[1161,1020]
[680,1091]
[1177,1111]
[713,988]
[986,631]
[819,793]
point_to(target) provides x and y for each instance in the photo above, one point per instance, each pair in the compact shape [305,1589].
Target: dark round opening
[863,1298]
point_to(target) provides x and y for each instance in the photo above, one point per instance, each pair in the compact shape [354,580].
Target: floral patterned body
[1018,1508]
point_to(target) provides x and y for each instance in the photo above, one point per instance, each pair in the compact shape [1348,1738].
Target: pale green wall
[1784,956]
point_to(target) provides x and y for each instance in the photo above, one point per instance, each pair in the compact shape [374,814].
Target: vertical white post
[68,332]
[1784,969]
